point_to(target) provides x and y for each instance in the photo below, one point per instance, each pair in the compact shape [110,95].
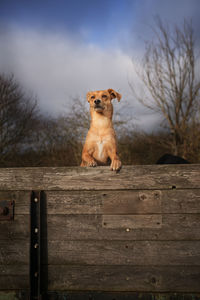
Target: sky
[59,50]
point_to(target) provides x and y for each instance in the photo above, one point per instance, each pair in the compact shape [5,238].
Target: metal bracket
[6,210]
[38,246]
[35,237]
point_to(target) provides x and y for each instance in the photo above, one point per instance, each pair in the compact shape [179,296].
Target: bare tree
[170,79]
[17,114]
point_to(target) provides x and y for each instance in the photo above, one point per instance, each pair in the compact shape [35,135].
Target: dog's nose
[97,101]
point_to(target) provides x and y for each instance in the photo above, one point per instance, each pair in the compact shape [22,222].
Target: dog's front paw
[89,163]
[92,164]
[116,165]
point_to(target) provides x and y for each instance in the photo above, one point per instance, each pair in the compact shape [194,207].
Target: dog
[171,159]
[101,146]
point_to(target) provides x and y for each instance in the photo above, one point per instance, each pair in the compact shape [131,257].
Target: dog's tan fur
[100,144]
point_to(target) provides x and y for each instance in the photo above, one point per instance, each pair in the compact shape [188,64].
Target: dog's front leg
[115,161]
[87,160]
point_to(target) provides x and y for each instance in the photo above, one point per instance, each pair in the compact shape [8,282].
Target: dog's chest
[100,147]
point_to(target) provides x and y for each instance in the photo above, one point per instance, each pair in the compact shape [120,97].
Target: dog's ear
[114,94]
[88,96]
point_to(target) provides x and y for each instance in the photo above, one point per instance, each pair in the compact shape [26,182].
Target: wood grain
[111,202]
[14,277]
[14,253]
[100,178]
[138,253]
[99,295]
[125,278]
[107,278]
[128,222]
[74,227]
[89,227]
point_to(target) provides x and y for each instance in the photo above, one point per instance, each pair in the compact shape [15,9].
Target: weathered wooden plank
[123,202]
[14,252]
[19,228]
[14,295]
[105,252]
[75,227]
[14,277]
[128,222]
[105,202]
[62,202]
[86,227]
[110,202]
[125,278]
[138,253]
[100,178]
[147,202]
[108,278]
[127,202]
[102,295]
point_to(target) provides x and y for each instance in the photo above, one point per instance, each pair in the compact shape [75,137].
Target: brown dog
[100,144]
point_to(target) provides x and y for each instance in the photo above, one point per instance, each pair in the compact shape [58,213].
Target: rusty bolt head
[5,211]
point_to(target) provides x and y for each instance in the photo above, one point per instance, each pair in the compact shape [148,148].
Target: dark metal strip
[35,243]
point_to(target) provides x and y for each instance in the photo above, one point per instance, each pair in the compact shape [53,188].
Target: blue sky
[61,49]
[93,20]
[98,20]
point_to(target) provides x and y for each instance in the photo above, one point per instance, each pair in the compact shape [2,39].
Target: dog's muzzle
[98,108]
[97,105]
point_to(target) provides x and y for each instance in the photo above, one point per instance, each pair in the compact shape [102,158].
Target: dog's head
[100,101]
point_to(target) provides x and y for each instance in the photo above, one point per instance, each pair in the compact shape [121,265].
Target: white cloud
[56,68]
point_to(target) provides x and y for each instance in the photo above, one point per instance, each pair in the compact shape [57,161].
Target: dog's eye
[93,97]
[104,97]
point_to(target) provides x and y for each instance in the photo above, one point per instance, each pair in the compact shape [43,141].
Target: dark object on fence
[6,210]
[171,159]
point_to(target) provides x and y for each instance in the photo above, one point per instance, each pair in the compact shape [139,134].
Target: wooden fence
[130,235]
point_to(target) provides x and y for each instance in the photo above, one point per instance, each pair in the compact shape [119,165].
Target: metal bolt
[36,200]
[4,211]
[127,229]
[36,246]
[36,230]
[143,197]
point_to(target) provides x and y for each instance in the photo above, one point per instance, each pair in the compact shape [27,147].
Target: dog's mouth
[98,108]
